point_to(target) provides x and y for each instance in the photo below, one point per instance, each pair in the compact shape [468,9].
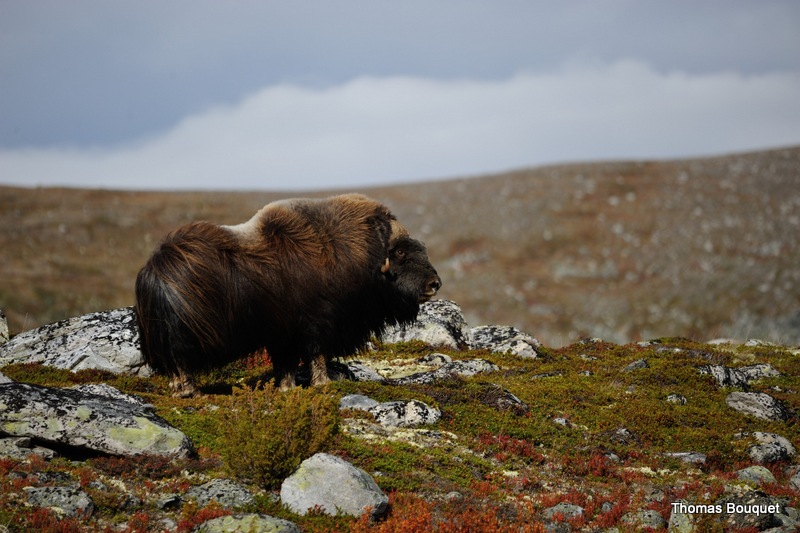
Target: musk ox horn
[385,266]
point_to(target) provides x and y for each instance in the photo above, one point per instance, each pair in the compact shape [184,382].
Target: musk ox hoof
[182,387]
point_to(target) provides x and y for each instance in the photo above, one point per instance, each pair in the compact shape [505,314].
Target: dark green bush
[268,433]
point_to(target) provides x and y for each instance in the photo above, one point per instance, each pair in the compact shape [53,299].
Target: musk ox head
[410,270]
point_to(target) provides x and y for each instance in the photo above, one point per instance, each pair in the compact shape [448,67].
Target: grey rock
[676,399]
[795,480]
[567,510]
[358,371]
[743,505]
[90,421]
[65,501]
[501,398]
[680,522]
[504,339]
[738,377]
[770,448]
[405,414]
[107,340]
[225,492]
[435,359]
[22,447]
[333,485]
[553,374]
[246,523]
[688,457]
[439,323]
[357,401]
[622,436]
[757,404]
[3,328]
[756,474]
[465,368]
[636,365]
[5,379]
[645,519]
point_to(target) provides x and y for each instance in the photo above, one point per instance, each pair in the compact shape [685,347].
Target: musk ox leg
[287,380]
[183,385]
[319,371]
[285,370]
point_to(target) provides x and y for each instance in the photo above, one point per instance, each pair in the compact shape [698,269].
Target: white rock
[334,486]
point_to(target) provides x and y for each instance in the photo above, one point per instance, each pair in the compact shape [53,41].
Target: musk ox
[309,280]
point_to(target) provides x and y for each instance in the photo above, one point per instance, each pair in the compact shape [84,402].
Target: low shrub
[268,433]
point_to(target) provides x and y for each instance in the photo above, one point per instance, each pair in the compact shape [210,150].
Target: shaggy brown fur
[308,280]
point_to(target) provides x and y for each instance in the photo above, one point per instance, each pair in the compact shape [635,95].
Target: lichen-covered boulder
[405,414]
[332,485]
[65,501]
[504,339]
[225,492]
[95,422]
[106,340]
[757,404]
[246,523]
[439,323]
[770,448]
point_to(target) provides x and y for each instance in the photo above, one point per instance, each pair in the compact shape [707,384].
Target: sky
[301,95]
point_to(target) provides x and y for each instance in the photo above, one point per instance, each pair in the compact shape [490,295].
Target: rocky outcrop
[442,323]
[95,422]
[107,340]
[332,485]
[738,377]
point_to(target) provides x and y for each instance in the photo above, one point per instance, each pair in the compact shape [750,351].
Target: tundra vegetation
[593,435]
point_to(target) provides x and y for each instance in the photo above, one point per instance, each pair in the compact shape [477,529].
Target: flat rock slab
[107,340]
[97,423]
[463,368]
[246,523]
[333,486]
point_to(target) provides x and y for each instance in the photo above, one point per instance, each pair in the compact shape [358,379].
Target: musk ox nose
[433,286]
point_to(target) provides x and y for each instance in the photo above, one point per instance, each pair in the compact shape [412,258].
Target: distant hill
[624,251]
